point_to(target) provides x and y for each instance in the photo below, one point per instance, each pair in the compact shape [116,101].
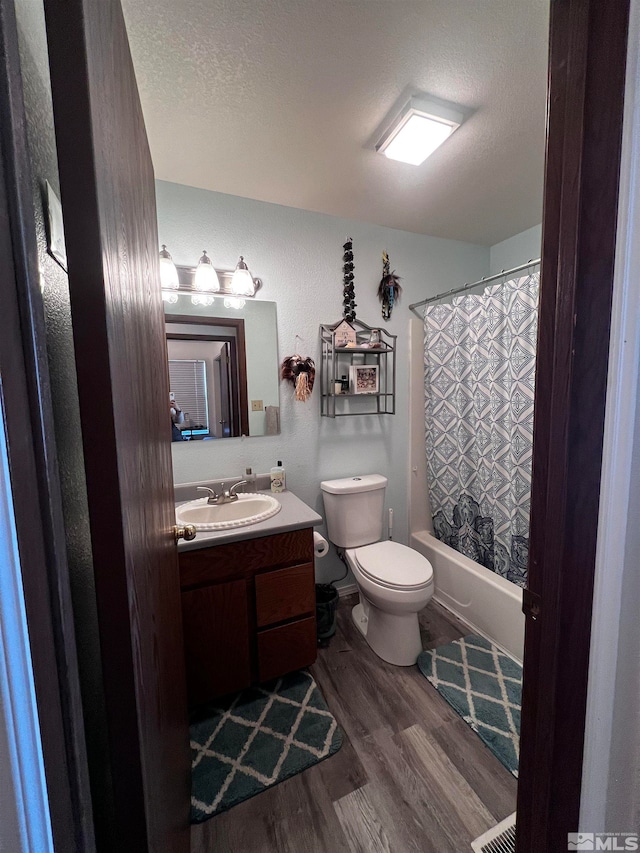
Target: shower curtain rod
[473,284]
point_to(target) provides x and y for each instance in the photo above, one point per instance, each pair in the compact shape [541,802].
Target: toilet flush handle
[390,524]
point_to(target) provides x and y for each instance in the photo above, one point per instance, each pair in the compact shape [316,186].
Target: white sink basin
[248,509]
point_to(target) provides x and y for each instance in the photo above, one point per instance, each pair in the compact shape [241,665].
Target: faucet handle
[232,490]
[212,495]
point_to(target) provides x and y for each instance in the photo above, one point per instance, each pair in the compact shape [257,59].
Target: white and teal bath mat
[255,739]
[484,686]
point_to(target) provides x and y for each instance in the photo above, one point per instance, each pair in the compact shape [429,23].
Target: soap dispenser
[250,480]
[278,478]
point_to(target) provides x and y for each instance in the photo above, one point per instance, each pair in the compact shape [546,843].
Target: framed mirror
[223,369]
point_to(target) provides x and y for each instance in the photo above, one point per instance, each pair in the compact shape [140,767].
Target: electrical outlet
[257,406]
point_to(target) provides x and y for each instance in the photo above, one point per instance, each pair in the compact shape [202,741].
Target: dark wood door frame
[27,413]
[226,388]
[238,362]
[588,46]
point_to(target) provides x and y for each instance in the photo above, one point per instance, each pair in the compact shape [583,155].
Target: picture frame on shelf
[364,378]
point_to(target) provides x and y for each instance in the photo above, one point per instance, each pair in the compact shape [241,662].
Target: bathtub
[489,604]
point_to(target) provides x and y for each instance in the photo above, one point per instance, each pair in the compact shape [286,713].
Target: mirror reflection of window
[188,383]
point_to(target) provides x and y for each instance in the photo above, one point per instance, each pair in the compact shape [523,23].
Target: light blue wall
[517,250]
[298,255]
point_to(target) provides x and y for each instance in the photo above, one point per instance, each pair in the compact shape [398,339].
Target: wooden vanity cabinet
[248,612]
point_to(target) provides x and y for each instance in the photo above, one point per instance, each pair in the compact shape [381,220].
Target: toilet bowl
[395,583]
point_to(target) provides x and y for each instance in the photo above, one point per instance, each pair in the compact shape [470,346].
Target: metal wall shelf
[336,362]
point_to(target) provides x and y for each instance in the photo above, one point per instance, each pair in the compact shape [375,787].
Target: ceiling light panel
[421,127]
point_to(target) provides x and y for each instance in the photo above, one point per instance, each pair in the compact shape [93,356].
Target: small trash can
[326,610]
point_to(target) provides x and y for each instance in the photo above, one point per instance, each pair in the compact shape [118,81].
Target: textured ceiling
[281,100]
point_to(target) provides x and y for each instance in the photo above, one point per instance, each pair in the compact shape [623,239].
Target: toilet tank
[354,508]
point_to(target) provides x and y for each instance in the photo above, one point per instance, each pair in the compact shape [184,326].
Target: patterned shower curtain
[480,356]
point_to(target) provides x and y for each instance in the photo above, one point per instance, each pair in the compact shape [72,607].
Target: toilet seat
[394,566]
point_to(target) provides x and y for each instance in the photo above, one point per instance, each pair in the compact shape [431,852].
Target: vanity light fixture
[168,277]
[242,283]
[205,283]
[421,127]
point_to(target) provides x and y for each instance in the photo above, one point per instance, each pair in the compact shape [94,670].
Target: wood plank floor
[411,775]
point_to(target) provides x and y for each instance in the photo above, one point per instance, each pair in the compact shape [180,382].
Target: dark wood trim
[25,401]
[240,367]
[176,336]
[230,322]
[588,45]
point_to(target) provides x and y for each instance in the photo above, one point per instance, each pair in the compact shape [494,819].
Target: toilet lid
[394,565]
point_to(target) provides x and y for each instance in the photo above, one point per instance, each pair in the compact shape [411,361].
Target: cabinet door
[216,640]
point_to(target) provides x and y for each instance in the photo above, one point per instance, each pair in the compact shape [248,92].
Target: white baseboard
[348,589]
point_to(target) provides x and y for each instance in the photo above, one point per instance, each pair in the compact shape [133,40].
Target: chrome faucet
[226,496]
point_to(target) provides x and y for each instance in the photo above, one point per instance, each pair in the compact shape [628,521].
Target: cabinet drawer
[284,594]
[284,649]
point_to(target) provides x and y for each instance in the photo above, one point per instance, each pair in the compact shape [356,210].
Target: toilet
[394,581]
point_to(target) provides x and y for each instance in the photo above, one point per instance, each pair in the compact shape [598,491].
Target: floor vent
[500,839]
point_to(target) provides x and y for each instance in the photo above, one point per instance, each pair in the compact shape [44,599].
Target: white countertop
[294,515]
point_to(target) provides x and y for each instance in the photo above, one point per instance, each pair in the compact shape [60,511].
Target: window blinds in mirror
[188,381]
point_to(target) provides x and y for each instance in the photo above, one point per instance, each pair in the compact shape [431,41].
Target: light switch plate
[257,406]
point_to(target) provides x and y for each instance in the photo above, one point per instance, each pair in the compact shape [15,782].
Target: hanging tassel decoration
[302,388]
[389,289]
[301,373]
[349,290]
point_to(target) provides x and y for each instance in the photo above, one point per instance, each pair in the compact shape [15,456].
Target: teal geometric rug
[484,686]
[256,739]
